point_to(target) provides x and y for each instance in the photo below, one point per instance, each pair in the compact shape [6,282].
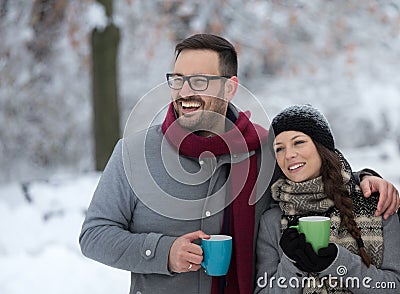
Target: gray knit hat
[305,119]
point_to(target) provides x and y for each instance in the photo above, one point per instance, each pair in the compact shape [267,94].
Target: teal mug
[217,253]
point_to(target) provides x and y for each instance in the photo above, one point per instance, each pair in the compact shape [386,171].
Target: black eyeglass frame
[187,78]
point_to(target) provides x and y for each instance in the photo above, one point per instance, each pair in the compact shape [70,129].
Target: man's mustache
[196,98]
[193,98]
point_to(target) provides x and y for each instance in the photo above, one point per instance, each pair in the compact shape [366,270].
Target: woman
[315,179]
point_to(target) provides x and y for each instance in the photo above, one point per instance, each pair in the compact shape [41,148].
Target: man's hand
[388,195]
[185,256]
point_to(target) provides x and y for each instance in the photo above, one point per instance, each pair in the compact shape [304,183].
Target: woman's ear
[231,86]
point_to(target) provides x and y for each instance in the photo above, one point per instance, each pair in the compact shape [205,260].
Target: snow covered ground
[39,251]
[41,221]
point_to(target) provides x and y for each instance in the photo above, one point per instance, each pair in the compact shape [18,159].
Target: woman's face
[297,156]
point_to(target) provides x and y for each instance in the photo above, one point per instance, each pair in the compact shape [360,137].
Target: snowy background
[341,56]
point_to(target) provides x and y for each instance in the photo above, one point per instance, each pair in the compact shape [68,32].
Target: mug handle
[294,227]
[202,263]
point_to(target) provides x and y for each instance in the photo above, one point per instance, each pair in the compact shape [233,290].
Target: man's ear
[231,86]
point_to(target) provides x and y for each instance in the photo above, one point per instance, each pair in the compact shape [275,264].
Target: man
[148,219]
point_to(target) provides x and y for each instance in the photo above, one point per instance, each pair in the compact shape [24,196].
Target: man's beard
[203,120]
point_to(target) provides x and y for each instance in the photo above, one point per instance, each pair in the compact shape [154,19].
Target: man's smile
[189,105]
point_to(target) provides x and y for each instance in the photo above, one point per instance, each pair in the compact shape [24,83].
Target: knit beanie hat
[305,119]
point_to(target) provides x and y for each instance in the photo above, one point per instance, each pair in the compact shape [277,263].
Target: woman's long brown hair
[331,172]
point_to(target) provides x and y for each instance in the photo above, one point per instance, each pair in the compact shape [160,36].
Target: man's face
[200,110]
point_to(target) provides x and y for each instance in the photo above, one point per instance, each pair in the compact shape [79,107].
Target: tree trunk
[105,95]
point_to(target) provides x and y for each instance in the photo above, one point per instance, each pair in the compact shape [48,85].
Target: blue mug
[217,253]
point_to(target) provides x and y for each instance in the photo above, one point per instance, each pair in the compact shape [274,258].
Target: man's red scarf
[243,137]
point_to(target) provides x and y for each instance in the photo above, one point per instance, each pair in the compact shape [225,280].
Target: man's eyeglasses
[196,82]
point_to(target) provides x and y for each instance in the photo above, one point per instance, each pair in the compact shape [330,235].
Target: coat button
[208,213]
[148,252]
